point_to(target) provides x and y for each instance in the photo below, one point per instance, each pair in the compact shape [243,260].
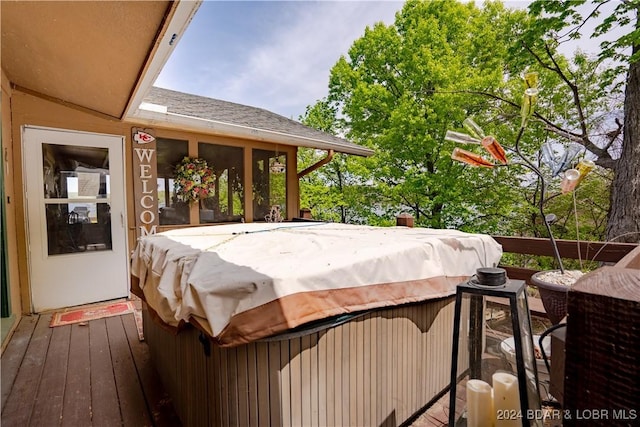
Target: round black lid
[490,276]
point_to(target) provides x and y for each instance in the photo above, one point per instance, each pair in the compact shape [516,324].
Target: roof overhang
[103,57]
[199,125]
[97,56]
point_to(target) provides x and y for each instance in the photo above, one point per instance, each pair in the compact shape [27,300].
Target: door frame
[124,215]
[4,255]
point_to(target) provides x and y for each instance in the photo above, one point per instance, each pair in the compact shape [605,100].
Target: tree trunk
[624,215]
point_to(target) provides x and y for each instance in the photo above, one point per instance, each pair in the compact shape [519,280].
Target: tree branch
[604,158]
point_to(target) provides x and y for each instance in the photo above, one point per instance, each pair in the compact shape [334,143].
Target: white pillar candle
[480,411]
[506,400]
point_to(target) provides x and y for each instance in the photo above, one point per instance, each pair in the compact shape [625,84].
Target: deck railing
[604,252]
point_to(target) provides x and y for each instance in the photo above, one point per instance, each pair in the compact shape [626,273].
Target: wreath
[194,180]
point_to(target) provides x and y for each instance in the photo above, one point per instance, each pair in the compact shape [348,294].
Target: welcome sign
[145,174]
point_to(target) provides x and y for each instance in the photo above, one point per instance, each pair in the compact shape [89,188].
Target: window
[170,153]
[227,202]
[76,192]
[269,183]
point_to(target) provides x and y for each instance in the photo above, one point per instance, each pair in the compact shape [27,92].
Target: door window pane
[269,183]
[76,198]
[75,172]
[227,202]
[78,227]
[170,153]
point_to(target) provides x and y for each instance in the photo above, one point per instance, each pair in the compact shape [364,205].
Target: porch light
[493,395]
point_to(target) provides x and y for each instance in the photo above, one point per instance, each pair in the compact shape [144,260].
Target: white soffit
[178,23]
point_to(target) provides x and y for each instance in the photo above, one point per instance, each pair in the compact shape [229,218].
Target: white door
[76,217]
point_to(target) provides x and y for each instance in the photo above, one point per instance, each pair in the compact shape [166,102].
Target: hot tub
[303,324]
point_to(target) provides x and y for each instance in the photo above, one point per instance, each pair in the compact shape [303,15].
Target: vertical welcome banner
[145,174]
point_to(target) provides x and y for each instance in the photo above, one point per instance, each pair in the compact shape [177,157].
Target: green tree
[402,86]
[555,23]
[554,122]
[337,191]
[398,91]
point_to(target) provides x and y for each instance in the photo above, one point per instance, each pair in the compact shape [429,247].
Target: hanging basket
[194,180]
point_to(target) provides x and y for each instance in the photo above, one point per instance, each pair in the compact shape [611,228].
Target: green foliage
[610,137]
[581,96]
[337,191]
[402,86]
[564,19]
[333,192]
[399,90]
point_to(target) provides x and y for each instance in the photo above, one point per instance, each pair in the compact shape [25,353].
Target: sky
[275,55]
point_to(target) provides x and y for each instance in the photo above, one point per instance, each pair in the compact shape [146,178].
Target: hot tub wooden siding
[375,370]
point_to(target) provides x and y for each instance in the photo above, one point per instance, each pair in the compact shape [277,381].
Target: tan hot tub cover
[243,282]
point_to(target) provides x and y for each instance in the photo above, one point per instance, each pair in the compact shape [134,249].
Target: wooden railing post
[404,220]
[305,213]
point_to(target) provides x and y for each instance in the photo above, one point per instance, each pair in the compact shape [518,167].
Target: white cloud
[276,55]
[281,62]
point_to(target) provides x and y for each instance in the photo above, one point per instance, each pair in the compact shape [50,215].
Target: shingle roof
[243,115]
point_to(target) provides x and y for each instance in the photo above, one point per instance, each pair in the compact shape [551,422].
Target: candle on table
[506,400]
[480,411]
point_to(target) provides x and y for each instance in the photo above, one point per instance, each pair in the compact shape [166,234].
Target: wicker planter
[554,297]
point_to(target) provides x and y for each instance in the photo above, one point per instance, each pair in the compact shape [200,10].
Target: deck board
[19,406]
[106,412]
[92,374]
[14,353]
[50,397]
[132,405]
[157,399]
[77,396]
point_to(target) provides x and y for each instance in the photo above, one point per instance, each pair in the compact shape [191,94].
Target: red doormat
[91,313]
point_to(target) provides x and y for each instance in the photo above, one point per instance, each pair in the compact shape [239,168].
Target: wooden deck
[95,374]
[99,373]
[92,374]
